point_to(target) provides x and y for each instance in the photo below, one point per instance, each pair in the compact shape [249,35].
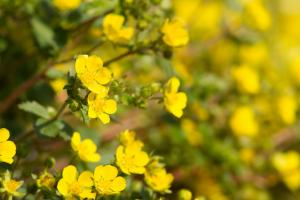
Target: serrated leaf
[53,128]
[44,35]
[35,108]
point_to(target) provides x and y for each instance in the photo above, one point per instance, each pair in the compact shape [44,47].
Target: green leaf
[53,128]
[35,108]
[43,33]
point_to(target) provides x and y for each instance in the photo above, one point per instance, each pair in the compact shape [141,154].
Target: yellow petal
[70,174]
[86,179]
[88,145]
[6,159]
[91,112]
[118,184]
[7,148]
[96,87]
[141,158]
[94,63]
[63,187]
[94,157]
[113,20]
[110,106]
[172,85]
[126,34]
[104,118]
[106,172]
[103,76]
[80,64]
[75,141]
[4,134]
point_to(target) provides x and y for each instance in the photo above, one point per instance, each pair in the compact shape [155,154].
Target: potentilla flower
[114,30]
[174,33]
[101,107]
[107,181]
[174,101]
[46,180]
[66,4]
[247,79]
[129,156]
[243,122]
[7,148]
[91,73]
[11,186]
[157,177]
[287,108]
[71,186]
[288,166]
[85,149]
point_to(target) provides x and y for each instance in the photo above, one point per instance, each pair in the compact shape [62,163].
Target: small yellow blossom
[287,108]
[101,107]
[243,122]
[157,177]
[58,84]
[130,157]
[91,72]
[114,30]
[174,101]
[191,133]
[259,15]
[10,186]
[288,165]
[174,33]
[247,79]
[45,180]
[7,148]
[107,181]
[185,194]
[71,187]
[85,149]
[66,4]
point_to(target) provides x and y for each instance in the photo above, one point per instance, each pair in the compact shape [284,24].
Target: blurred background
[239,136]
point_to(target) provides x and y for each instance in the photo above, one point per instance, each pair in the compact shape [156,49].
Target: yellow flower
[46,180]
[174,101]
[58,84]
[191,133]
[91,72]
[288,165]
[286,162]
[11,186]
[66,4]
[107,181]
[130,157]
[70,187]
[114,30]
[184,194]
[85,149]
[100,107]
[174,33]
[157,177]
[259,15]
[243,122]
[7,148]
[247,79]
[287,108]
